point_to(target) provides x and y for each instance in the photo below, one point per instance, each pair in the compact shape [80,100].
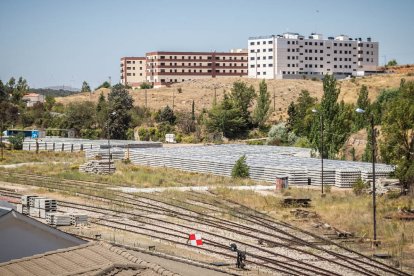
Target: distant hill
[63,87]
[55,91]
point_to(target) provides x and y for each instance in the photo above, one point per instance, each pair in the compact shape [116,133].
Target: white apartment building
[293,56]
[133,71]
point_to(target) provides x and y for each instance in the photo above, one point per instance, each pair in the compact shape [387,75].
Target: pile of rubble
[385,186]
[103,166]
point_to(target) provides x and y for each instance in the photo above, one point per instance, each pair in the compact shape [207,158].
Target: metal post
[322,151]
[109,148]
[373,179]
[1,139]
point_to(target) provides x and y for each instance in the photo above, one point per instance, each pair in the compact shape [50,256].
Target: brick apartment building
[133,71]
[165,68]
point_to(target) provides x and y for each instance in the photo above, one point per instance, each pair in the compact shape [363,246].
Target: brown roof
[94,258]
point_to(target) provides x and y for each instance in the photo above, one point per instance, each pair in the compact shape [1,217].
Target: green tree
[49,102]
[102,111]
[337,120]
[119,118]
[86,87]
[79,116]
[167,115]
[392,62]
[261,112]
[105,84]
[240,168]
[225,117]
[242,97]
[3,93]
[193,111]
[17,90]
[300,114]
[397,145]
[363,103]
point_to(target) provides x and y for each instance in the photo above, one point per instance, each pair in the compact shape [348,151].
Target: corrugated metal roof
[94,258]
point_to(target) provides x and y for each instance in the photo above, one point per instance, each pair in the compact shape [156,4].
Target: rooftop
[94,258]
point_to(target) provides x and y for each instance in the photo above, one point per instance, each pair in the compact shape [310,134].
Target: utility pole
[146,103]
[1,139]
[373,179]
[173,99]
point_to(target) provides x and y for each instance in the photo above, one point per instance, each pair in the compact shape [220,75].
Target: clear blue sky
[53,42]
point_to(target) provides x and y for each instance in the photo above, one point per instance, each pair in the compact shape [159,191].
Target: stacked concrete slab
[104,166]
[267,163]
[75,145]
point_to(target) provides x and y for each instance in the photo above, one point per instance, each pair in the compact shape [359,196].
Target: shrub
[359,186]
[240,169]
[17,141]
[255,142]
[145,85]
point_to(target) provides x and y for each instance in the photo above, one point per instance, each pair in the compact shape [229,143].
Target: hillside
[285,91]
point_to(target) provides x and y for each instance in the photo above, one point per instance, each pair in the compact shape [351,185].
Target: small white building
[32,98]
[292,55]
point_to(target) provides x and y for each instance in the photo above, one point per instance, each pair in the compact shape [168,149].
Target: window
[288,65]
[133,74]
[251,51]
[258,42]
[288,57]
[264,65]
[321,58]
[288,50]
[335,51]
[335,44]
[270,42]
[140,74]
[310,58]
[264,50]
[321,51]
[288,42]
[264,42]
[321,43]
[264,73]
[306,43]
[252,66]
[270,50]
[251,58]
[128,68]
[310,50]
[269,57]
[310,43]
[252,43]
[258,73]
[270,65]
[128,61]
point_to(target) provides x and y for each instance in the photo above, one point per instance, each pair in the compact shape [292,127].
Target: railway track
[326,262]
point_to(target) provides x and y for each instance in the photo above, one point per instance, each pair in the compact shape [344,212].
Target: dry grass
[345,211]
[285,91]
[125,175]
[20,156]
